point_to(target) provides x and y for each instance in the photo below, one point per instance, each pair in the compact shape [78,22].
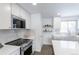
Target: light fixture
[34,3]
[58,14]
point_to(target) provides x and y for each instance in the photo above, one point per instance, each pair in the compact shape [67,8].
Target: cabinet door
[22,13]
[16,52]
[5,16]
[15,10]
[28,21]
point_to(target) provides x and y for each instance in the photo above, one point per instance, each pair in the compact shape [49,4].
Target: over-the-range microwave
[18,22]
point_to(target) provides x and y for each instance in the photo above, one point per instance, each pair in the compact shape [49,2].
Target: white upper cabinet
[5,16]
[7,9]
[28,21]
[20,12]
[15,10]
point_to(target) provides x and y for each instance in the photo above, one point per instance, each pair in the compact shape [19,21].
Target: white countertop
[7,49]
[68,37]
[65,47]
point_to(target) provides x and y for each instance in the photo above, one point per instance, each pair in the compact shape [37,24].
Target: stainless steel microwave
[18,22]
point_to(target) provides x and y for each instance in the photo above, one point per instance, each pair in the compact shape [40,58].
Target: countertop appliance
[25,45]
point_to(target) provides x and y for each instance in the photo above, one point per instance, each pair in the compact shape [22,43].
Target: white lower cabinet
[16,52]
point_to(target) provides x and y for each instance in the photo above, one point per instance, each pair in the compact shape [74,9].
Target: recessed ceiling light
[34,3]
[58,13]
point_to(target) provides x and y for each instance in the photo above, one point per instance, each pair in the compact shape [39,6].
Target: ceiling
[52,9]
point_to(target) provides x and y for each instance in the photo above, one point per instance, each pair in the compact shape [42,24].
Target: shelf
[47,26]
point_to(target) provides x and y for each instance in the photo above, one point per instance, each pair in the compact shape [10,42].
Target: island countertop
[65,47]
[65,37]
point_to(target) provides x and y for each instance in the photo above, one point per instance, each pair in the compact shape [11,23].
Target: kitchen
[26,28]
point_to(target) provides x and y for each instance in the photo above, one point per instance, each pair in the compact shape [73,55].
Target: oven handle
[26,47]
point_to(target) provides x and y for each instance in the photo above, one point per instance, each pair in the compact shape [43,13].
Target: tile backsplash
[9,35]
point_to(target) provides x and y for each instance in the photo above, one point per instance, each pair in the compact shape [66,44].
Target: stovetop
[18,42]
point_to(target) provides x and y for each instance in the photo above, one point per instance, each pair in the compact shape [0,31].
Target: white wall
[47,35]
[47,21]
[56,24]
[37,28]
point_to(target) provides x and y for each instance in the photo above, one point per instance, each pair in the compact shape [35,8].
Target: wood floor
[46,50]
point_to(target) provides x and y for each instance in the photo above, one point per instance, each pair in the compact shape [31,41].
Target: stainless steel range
[25,45]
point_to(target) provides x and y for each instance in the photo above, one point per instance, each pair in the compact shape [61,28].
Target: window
[78,24]
[63,28]
[72,26]
[68,27]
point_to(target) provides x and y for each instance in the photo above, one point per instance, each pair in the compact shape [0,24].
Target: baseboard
[38,50]
[47,44]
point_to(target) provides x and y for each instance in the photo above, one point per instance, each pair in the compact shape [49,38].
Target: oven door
[27,50]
